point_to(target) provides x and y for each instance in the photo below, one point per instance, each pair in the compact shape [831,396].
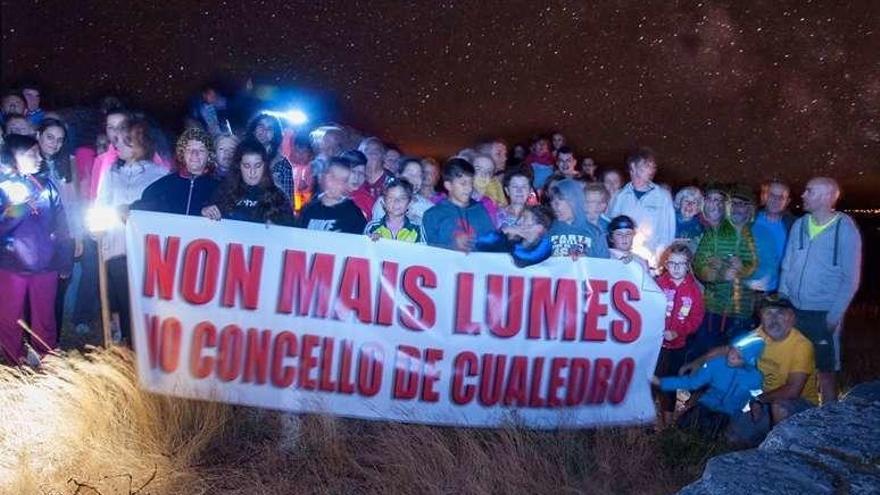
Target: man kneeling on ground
[789,371]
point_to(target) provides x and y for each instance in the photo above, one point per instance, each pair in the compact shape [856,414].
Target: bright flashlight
[295,116]
[102,219]
[16,192]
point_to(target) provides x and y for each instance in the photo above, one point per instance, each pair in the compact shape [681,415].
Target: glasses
[676,264]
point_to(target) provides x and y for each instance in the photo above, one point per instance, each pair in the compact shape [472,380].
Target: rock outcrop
[833,449]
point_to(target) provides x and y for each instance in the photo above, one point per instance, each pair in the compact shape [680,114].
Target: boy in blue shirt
[457,221]
[732,381]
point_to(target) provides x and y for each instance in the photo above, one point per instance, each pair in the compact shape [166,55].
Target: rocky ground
[833,449]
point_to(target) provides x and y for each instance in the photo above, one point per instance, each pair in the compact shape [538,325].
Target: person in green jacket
[725,258]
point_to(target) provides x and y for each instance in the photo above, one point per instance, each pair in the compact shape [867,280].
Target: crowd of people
[755,296]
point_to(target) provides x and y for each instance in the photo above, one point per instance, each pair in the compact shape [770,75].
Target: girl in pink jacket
[684,313]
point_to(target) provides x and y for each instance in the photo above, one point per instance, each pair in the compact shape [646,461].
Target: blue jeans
[746,432]
[88,301]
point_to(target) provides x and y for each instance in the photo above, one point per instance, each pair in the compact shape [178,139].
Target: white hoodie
[654,215]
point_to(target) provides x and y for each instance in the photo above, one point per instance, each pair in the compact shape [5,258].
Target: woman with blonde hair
[688,204]
[191,186]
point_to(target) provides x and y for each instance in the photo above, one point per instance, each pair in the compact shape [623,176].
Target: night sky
[739,90]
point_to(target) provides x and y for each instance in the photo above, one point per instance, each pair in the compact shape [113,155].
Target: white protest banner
[309,321]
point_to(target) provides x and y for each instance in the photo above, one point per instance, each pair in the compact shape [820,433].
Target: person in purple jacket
[35,247]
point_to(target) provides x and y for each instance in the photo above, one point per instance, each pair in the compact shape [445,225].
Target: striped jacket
[410,232]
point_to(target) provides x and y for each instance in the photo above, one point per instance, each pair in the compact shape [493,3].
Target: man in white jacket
[648,204]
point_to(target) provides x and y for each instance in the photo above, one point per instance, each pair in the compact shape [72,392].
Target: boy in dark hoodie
[571,234]
[457,221]
[733,381]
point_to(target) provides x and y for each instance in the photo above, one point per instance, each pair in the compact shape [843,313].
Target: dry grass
[81,425]
[84,418]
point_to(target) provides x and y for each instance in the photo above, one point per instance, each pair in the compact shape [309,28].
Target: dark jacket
[497,242]
[444,221]
[179,193]
[250,209]
[33,229]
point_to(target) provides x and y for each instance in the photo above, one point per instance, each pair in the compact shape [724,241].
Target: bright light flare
[102,219]
[640,247]
[16,192]
[295,116]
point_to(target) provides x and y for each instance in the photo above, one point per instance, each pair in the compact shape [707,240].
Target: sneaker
[32,359]
[115,332]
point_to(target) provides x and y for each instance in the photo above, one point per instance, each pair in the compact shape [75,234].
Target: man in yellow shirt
[787,363]
[789,370]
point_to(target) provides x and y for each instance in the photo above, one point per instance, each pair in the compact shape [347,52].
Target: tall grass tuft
[82,426]
[83,420]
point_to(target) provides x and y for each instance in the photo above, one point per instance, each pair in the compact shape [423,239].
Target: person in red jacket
[684,313]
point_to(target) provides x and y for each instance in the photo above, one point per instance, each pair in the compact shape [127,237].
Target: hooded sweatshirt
[580,236]
[729,388]
[822,273]
[444,221]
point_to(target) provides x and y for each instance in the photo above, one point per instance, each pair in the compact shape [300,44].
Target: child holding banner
[621,237]
[684,313]
[457,221]
[571,234]
[394,224]
[526,241]
[333,210]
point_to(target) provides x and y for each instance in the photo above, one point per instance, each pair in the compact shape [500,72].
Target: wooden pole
[36,337]
[105,299]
